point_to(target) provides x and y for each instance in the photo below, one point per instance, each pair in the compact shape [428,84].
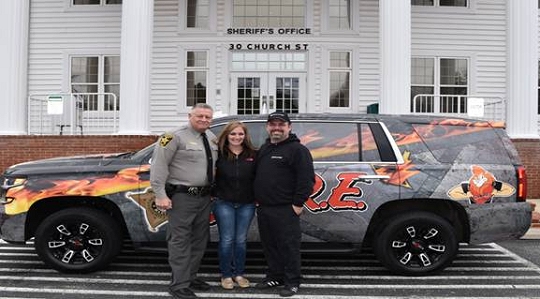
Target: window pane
[423,71]
[340,59]
[329,141]
[422,99]
[339,14]
[370,151]
[84,69]
[453,71]
[86,2]
[460,3]
[196,59]
[195,87]
[265,13]
[112,69]
[109,100]
[422,2]
[197,13]
[339,89]
[113,2]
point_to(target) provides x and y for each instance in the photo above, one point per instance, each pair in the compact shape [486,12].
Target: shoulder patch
[165,139]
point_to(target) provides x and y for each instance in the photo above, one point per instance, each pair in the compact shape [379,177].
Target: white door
[261,93]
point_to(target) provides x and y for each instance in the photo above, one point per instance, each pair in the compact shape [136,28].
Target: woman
[234,205]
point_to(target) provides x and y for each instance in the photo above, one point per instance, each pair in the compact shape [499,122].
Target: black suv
[409,187]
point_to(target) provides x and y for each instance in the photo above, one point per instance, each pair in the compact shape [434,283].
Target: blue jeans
[233,220]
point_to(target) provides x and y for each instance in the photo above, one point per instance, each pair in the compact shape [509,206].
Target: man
[284,180]
[181,175]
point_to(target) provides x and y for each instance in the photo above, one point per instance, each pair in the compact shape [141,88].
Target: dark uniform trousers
[187,236]
[279,229]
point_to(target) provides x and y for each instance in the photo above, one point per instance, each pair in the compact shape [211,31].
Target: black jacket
[234,178]
[285,173]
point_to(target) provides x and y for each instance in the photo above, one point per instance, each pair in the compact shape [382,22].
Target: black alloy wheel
[418,243]
[78,240]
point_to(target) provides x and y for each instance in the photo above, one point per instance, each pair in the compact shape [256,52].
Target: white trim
[66,62]
[325,79]
[210,75]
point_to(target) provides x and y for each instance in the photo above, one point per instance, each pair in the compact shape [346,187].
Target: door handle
[368,178]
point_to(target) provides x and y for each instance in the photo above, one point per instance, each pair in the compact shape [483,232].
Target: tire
[78,240]
[418,243]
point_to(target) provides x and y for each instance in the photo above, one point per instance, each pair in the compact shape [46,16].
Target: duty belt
[171,189]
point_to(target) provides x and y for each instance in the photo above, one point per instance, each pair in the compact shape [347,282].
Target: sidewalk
[534,231]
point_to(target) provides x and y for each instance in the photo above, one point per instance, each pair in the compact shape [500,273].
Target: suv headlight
[8,183]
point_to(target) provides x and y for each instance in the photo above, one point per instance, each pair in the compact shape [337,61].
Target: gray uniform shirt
[179,158]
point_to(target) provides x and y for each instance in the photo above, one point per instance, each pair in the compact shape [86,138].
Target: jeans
[233,220]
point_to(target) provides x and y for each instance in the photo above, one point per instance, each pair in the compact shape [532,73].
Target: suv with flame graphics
[409,187]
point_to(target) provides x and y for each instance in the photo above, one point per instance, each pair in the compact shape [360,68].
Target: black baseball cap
[278,115]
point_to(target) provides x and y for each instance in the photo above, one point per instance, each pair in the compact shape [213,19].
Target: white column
[14,18]
[395,45]
[135,59]
[522,65]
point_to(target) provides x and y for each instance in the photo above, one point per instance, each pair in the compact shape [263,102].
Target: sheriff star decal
[146,201]
[165,139]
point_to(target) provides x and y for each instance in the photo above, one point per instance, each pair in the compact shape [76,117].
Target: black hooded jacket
[284,173]
[234,178]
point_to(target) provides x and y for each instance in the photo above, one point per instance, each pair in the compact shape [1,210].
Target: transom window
[93,76]
[340,79]
[196,77]
[439,85]
[452,3]
[96,2]
[249,61]
[269,13]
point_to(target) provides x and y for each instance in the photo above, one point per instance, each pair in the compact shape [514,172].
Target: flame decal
[26,195]
[400,176]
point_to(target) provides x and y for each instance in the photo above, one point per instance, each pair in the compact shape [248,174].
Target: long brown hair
[223,141]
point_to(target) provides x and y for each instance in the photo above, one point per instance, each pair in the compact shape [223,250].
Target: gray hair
[201,106]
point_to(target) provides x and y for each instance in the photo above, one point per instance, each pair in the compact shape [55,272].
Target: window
[439,85]
[339,14]
[96,2]
[198,14]
[340,77]
[196,77]
[96,75]
[265,13]
[452,3]
[276,61]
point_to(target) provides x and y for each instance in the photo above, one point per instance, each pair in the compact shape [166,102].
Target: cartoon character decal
[481,187]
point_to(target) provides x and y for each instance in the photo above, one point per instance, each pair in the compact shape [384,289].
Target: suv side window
[329,141]
[338,142]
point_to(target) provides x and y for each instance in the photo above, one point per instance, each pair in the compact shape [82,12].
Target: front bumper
[500,221]
[12,226]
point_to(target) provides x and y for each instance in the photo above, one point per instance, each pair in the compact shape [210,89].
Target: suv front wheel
[78,240]
[417,243]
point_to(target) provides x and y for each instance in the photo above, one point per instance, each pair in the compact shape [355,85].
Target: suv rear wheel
[417,243]
[78,240]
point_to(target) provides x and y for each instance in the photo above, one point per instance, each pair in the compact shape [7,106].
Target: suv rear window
[484,144]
